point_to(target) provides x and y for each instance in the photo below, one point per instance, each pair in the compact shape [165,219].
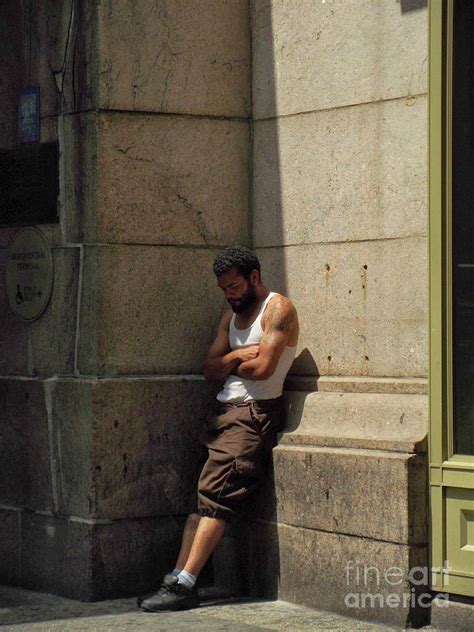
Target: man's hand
[247,353]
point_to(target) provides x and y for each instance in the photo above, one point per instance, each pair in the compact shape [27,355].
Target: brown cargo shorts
[239,439]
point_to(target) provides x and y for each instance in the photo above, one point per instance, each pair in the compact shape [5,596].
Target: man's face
[239,291]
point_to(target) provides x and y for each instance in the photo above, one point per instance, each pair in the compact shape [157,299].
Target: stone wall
[340,224]
[152,104]
[102,396]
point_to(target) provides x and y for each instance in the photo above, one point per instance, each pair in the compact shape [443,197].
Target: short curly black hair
[239,257]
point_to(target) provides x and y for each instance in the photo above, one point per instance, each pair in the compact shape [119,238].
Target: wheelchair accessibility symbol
[19,296]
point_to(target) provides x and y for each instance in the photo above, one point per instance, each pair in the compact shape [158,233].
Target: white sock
[186,579]
[176,571]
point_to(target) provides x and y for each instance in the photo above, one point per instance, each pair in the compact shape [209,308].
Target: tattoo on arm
[280,321]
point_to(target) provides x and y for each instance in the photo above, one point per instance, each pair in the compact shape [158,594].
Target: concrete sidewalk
[26,610]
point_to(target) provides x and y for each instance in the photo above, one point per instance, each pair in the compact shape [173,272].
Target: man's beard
[248,299]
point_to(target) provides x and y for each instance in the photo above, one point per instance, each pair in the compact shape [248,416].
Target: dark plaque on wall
[29,184]
[29,116]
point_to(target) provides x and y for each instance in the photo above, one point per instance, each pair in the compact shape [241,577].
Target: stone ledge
[363,384]
[302,440]
[374,421]
[454,616]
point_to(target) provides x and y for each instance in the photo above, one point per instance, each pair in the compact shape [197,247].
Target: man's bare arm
[281,318]
[221,360]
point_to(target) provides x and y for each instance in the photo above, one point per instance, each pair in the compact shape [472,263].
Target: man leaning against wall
[253,350]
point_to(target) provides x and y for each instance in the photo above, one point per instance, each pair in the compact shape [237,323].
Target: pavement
[22,609]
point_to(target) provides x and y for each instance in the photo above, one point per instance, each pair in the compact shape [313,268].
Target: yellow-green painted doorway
[451,446]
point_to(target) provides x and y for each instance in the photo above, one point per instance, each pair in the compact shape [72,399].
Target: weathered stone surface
[317,55]
[228,564]
[78,177]
[319,569]
[155,179]
[88,561]
[64,55]
[114,439]
[72,429]
[363,307]
[170,180]
[453,616]
[25,475]
[147,310]
[357,420]
[25,610]
[53,336]
[129,557]
[355,384]
[312,491]
[176,56]
[56,555]
[13,331]
[10,538]
[342,175]
[53,47]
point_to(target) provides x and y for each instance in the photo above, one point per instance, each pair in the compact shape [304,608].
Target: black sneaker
[171,596]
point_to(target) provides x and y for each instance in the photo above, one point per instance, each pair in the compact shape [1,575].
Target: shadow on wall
[260,545]
[270,241]
[413,5]
[256,543]
[261,542]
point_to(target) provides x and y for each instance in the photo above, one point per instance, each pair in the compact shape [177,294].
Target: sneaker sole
[169,608]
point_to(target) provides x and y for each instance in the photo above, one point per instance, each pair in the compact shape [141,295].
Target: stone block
[358,313]
[25,471]
[342,175]
[64,55]
[318,55]
[176,56]
[78,178]
[56,556]
[357,577]
[72,421]
[312,491]
[357,420]
[53,336]
[147,310]
[10,546]
[228,564]
[454,616]
[170,180]
[108,560]
[129,557]
[13,331]
[114,439]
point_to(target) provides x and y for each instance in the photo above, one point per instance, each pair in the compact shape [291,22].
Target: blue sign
[29,116]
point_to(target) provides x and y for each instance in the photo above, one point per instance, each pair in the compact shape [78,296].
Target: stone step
[382,421]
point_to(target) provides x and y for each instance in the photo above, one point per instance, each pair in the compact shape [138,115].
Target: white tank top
[235,388]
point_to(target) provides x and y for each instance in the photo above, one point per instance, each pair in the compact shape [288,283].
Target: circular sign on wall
[29,274]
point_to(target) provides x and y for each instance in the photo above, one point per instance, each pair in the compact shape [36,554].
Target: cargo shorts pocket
[242,478]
